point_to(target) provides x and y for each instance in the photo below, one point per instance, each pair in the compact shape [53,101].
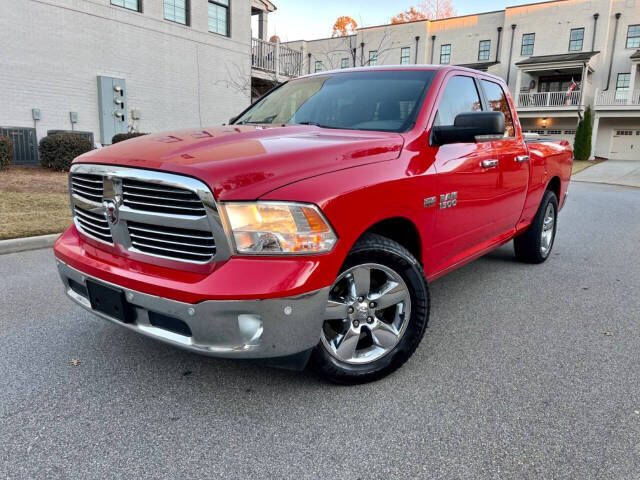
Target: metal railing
[618,97]
[275,58]
[549,99]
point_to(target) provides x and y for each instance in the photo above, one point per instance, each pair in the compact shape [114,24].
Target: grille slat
[181,244]
[93,224]
[158,198]
[87,187]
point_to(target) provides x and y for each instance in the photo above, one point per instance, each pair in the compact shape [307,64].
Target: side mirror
[470,127]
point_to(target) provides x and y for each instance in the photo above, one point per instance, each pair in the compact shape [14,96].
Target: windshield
[374,100]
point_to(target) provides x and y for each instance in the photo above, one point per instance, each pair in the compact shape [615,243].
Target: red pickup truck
[307,230]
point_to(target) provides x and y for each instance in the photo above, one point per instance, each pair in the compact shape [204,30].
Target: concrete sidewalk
[613,172]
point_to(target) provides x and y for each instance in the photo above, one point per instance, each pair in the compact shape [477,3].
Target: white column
[516,93]
[263,22]
[632,82]
[277,58]
[594,135]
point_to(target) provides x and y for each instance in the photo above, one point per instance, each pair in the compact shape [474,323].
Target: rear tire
[376,316]
[535,244]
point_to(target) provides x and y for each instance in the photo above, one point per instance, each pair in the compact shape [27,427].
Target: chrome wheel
[367,313]
[547,230]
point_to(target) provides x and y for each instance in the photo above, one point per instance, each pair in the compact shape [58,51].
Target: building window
[445,54]
[622,86]
[344,63]
[575,39]
[633,36]
[528,40]
[373,57]
[484,49]
[177,11]
[319,66]
[128,4]
[405,56]
[219,17]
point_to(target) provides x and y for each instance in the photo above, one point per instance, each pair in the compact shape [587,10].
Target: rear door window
[498,103]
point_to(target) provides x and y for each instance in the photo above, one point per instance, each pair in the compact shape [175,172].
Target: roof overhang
[263,5]
[557,62]
[635,57]
[482,66]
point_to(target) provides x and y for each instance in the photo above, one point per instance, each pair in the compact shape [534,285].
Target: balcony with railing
[275,59]
[623,99]
[550,100]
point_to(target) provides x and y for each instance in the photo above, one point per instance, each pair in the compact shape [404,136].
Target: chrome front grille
[89,187]
[146,213]
[93,224]
[152,197]
[195,245]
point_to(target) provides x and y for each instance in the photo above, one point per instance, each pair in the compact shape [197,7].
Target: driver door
[467,177]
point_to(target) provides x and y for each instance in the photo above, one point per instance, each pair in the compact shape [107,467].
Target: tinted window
[460,95]
[498,103]
[384,101]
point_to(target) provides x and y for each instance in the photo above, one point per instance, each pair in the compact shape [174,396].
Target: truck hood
[244,162]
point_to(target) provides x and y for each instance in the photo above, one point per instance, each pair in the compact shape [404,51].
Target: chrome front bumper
[222,328]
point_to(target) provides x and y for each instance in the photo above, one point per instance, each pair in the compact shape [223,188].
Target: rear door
[467,176]
[512,155]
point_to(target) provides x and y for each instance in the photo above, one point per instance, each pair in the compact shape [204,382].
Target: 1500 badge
[448,200]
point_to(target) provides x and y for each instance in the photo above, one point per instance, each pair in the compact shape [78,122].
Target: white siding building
[540,49]
[182,63]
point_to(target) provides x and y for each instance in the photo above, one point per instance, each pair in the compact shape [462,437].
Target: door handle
[489,163]
[522,158]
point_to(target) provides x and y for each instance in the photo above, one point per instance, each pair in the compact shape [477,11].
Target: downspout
[613,49]
[595,27]
[362,54]
[417,40]
[498,45]
[513,34]
[309,63]
[433,47]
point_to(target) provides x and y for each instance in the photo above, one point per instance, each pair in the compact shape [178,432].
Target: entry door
[625,144]
[467,176]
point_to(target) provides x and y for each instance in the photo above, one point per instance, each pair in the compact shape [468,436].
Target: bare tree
[353,48]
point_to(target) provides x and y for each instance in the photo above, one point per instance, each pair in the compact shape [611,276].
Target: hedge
[121,137]
[582,142]
[6,151]
[58,151]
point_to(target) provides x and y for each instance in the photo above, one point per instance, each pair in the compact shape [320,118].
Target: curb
[29,243]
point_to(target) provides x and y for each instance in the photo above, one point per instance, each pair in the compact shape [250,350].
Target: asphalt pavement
[525,372]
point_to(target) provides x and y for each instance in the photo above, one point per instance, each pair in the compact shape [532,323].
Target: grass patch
[33,201]
[580,165]
[31,214]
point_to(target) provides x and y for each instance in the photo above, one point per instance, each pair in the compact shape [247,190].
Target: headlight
[278,228]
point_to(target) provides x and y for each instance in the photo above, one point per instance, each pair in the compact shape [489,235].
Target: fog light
[250,328]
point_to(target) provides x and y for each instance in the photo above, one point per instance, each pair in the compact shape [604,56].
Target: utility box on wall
[112,104]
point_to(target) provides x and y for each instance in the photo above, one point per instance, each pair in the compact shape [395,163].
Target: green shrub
[58,151]
[582,142]
[121,137]
[6,151]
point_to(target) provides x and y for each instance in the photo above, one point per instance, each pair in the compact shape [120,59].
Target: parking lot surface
[525,372]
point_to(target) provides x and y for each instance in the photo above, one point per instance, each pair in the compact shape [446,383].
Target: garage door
[625,144]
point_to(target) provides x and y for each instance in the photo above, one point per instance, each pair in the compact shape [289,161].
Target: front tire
[535,244]
[376,315]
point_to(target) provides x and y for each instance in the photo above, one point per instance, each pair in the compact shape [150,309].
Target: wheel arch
[400,230]
[555,185]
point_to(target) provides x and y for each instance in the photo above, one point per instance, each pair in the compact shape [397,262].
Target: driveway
[612,172]
[525,372]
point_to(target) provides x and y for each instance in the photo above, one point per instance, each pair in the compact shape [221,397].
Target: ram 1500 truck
[307,230]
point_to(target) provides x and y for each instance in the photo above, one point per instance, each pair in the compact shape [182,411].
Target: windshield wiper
[316,124]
